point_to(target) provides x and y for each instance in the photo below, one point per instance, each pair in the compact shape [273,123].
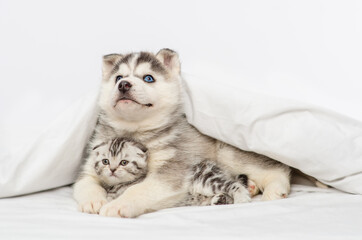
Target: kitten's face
[120,161]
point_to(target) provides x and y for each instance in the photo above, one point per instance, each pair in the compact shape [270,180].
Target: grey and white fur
[121,163]
[210,185]
[140,99]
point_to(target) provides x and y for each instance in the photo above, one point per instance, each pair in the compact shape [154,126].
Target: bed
[261,76]
[309,213]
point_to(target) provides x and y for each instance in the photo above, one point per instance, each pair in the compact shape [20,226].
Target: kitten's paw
[116,208]
[274,192]
[221,199]
[253,189]
[242,196]
[92,207]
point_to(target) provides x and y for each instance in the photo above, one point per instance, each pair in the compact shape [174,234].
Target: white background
[50,51]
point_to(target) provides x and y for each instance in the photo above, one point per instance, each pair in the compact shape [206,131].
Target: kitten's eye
[119,77]
[105,161]
[148,78]
[124,162]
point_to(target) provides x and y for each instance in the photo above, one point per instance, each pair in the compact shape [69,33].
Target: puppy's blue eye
[148,78]
[119,77]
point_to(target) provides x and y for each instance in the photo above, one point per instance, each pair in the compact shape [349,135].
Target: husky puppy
[140,99]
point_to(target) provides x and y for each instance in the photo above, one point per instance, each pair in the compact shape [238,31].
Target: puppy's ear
[109,61]
[170,59]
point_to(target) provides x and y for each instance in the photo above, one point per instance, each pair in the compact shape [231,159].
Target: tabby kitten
[210,185]
[121,163]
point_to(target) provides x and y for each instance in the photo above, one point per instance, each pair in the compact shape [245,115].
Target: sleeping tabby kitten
[121,163]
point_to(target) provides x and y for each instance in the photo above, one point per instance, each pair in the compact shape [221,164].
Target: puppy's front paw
[116,208]
[92,206]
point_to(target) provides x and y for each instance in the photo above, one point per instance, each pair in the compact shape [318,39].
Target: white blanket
[322,143]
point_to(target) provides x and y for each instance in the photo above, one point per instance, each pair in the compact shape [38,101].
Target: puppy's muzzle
[124,86]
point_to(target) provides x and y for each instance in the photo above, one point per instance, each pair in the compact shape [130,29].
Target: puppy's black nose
[124,86]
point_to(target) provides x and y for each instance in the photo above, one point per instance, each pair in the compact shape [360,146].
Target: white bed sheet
[309,213]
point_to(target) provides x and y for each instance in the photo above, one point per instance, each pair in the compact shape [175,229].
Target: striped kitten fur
[121,163]
[141,100]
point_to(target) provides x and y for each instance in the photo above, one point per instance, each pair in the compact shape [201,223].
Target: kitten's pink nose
[113,170]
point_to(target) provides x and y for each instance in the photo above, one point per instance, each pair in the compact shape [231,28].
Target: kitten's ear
[99,145]
[170,59]
[141,146]
[109,61]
